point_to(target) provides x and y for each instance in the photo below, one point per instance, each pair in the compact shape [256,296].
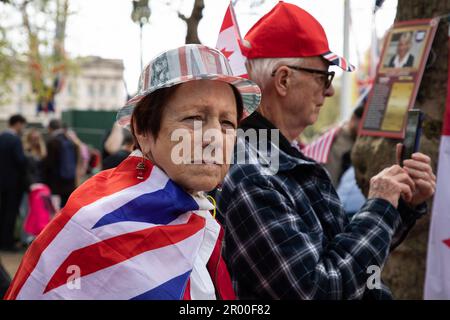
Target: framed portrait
[399,73]
[405,48]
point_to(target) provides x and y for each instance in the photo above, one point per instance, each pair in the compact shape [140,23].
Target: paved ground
[11,261]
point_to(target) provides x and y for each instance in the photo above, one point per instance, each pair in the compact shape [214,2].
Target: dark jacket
[52,165]
[13,163]
[115,159]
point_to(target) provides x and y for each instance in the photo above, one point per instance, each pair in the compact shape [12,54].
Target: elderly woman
[144,230]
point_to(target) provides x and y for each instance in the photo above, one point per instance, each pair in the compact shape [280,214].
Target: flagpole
[233,4]
[345,80]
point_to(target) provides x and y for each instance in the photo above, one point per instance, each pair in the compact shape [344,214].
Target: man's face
[307,94]
[20,126]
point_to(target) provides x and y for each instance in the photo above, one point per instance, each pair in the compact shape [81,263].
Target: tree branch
[182,16]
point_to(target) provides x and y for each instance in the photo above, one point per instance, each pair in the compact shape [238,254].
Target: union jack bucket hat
[187,63]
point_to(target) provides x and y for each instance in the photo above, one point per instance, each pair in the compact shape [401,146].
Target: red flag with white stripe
[228,43]
[437,280]
[320,148]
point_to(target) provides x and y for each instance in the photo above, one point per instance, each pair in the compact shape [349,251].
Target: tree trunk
[193,21]
[405,270]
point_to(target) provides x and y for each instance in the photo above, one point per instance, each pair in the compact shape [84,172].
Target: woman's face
[197,135]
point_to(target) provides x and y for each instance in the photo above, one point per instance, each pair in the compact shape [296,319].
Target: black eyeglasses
[327,79]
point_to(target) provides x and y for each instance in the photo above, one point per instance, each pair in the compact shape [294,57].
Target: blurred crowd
[40,168]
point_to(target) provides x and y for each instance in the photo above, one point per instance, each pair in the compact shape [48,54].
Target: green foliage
[42,55]
[6,71]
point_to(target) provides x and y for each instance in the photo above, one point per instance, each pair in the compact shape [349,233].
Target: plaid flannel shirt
[287,236]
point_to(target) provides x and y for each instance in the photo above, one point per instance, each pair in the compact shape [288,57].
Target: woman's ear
[145,141]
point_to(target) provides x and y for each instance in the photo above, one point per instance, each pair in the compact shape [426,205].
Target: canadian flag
[437,279]
[228,43]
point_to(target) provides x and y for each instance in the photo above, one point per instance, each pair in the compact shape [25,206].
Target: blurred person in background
[112,141]
[115,159]
[5,279]
[35,151]
[341,147]
[60,164]
[83,156]
[340,164]
[13,179]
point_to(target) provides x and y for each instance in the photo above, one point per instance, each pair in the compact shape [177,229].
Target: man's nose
[329,92]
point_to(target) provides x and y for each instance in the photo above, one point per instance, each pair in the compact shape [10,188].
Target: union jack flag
[120,237]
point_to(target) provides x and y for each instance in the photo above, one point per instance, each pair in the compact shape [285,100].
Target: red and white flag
[437,279]
[228,43]
[320,148]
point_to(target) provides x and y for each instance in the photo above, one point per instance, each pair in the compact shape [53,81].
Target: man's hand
[390,183]
[419,169]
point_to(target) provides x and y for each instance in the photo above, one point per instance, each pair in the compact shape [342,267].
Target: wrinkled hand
[420,171]
[390,184]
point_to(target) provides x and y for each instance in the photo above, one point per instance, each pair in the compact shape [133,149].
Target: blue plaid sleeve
[409,216]
[277,254]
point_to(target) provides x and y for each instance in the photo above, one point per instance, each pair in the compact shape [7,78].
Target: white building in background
[97,84]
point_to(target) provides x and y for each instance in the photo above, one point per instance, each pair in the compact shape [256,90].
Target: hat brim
[339,61]
[250,93]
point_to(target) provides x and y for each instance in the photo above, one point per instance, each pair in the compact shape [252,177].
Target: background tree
[6,72]
[193,21]
[43,25]
[405,269]
[197,14]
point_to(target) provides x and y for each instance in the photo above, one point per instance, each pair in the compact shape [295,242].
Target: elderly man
[287,236]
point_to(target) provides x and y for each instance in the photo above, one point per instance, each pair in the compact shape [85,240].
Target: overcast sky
[104,27]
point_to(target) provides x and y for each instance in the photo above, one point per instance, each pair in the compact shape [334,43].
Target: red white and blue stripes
[319,149]
[125,239]
[339,61]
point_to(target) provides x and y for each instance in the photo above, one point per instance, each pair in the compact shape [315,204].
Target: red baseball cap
[288,31]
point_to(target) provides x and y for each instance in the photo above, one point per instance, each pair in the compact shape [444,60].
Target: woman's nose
[212,132]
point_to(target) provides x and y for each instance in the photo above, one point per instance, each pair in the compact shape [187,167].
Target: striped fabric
[320,148]
[119,238]
[187,63]
[338,61]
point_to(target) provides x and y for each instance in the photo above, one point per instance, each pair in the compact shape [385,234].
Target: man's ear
[281,80]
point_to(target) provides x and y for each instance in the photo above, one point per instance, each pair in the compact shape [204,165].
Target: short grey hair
[260,70]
